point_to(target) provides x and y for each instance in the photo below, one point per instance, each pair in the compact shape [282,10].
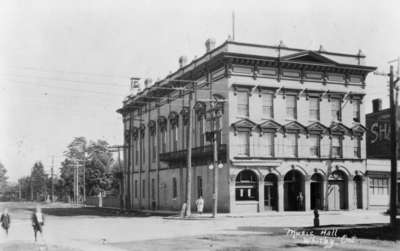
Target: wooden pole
[393,149]
[189,159]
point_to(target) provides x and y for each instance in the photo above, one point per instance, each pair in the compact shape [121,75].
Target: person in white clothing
[200,205]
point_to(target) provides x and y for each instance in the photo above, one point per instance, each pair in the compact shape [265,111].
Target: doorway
[337,187]
[358,191]
[270,193]
[294,191]
[316,191]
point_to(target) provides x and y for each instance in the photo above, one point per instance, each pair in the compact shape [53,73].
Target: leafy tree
[96,158]
[3,176]
[38,181]
[25,183]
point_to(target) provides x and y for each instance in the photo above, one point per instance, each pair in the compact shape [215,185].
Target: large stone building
[292,122]
[378,156]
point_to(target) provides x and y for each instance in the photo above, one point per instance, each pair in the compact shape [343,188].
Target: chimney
[210,44]
[147,83]
[182,61]
[376,105]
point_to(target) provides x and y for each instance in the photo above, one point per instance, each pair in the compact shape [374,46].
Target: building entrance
[337,186]
[358,191]
[316,191]
[294,191]
[270,192]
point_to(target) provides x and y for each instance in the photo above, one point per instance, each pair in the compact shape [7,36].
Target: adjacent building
[378,154]
[291,135]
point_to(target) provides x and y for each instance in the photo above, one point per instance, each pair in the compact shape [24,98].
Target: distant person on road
[5,220]
[37,221]
[200,205]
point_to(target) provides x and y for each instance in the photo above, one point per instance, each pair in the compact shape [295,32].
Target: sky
[65,65]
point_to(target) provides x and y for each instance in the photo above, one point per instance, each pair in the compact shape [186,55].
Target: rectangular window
[336,147]
[136,189]
[314,145]
[184,136]
[336,109]
[174,139]
[267,109]
[243,143]
[243,104]
[142,151]
[164,141]
[153,189]
[201,131]
[154,148]
[357,147]
[314,108]
[137,151]
[356,110]
[174,188]
[379,185]
[268,144]
[291,106]
[143,188]
[291,145]
[199,186]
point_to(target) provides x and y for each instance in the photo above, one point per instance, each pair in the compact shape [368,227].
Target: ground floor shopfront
[378,175]
[297,186]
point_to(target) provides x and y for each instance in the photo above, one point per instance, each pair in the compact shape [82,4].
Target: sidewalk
[208,216]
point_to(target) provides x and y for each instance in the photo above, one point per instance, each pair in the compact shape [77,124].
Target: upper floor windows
[243,103]
[291,145]
[336,109]
[268,144]
[314,109]
[291,106]
[243,143]
[315,145]
[153,147]
[356,110]
[267,105]
[357,147]
[337,147]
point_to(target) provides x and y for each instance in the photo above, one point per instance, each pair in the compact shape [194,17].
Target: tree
[96,158]
[3,176]
[38,182]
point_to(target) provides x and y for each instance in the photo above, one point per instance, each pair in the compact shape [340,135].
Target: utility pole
[215,160]
[189,159]
[118,148]
[393,147]
[52,178]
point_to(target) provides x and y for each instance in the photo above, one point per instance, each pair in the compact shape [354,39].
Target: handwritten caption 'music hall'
[326,238]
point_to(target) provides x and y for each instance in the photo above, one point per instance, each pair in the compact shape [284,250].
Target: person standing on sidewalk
[200,205]
[5,220]
[37,221]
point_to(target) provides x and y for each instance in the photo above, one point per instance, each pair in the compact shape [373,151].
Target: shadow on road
[94,211]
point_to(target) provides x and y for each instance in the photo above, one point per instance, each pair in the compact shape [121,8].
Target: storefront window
[246,186]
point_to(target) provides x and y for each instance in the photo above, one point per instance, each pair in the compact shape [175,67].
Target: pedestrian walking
[300,201]
[5,220]
[200,205]
[37,221]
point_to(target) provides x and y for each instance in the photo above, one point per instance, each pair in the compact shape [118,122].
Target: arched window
[246,186]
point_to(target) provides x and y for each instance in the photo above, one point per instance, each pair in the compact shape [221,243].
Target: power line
[64,88]
[68,72]
[66,80]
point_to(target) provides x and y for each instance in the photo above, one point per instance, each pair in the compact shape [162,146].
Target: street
[85,229]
